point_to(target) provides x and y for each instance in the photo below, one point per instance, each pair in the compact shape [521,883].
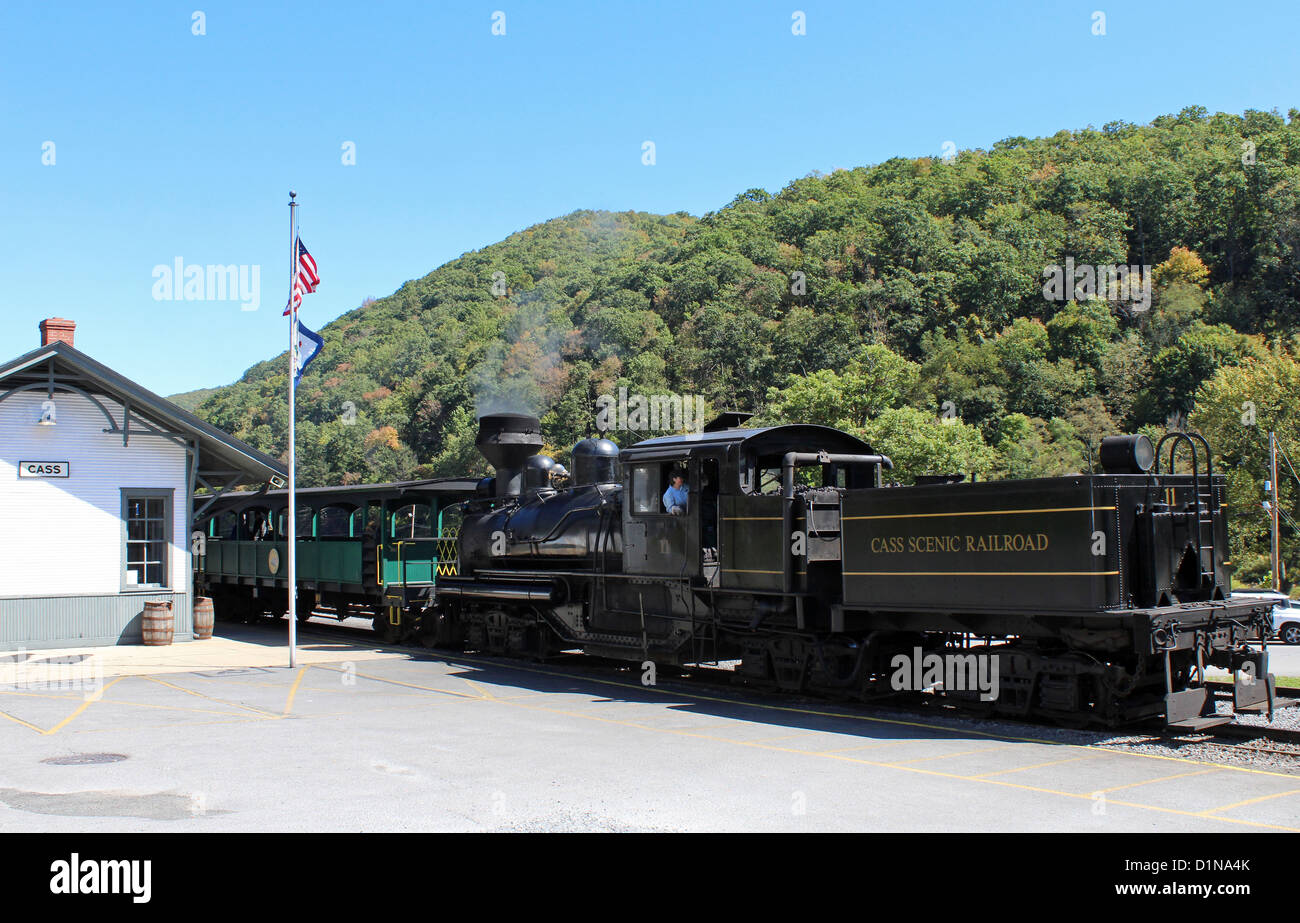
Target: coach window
[257,524]
[357,522]
[334,522]
[414,520]
[450,519]
[146,538]
[306,521]
[225,526]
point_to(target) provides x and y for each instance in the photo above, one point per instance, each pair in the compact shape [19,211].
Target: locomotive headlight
[1127,454]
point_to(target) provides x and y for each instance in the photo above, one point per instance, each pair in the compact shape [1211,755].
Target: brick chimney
[57,330]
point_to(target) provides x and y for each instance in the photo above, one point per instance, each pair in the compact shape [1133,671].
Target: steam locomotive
[1093,598]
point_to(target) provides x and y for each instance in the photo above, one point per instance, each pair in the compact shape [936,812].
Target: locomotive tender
[1100,598]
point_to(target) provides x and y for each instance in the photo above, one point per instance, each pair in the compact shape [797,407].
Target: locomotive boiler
[1093,597]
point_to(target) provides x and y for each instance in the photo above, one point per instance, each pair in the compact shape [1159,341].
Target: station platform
[233,646]
[224,736]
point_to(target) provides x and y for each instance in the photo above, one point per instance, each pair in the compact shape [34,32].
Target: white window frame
[167,495]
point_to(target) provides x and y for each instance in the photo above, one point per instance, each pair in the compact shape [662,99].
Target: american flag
[306,279]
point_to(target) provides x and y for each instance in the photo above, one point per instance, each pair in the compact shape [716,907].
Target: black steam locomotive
[1091,598]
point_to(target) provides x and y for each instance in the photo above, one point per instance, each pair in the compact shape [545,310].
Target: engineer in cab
[676,495]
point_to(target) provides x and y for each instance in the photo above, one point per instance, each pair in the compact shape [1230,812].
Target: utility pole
[1274,510]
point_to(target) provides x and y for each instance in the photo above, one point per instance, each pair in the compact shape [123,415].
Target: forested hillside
[904,301]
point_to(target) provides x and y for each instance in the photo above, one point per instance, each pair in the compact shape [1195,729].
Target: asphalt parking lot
[364,739]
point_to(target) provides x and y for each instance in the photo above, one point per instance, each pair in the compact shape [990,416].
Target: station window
[146,538]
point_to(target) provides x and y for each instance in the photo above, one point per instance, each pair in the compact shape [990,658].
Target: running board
[1192,710]
[1200,724]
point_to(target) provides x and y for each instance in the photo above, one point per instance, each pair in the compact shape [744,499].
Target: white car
[1286,621]
[1286,613]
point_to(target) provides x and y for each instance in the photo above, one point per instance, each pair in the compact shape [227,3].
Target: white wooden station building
[97,497]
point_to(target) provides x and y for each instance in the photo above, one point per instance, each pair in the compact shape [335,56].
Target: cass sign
[44,469]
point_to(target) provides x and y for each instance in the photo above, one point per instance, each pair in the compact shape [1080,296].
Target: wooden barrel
[202,618]
[158,623]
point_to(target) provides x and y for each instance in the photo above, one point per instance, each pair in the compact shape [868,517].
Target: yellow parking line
[83,706]
[1003,772]
[483,692]
[203,695]
[293,691]
[197,711]
[1242,804]
[769,740]
[1180,775]
[525,695]
[890,743]
[26,724]
[941,756]
[398,682]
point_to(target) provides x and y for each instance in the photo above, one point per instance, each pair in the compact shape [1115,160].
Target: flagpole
[293,482]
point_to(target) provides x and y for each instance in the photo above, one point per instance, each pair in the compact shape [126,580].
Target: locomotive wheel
[440,629]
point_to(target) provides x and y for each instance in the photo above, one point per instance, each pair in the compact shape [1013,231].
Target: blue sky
[173,145]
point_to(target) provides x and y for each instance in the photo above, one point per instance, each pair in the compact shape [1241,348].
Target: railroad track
[1230,737]
[1224,690]
[1257,739]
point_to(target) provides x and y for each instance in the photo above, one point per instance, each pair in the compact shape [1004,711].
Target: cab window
[647,495]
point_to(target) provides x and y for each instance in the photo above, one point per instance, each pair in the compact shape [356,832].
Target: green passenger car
[368,550]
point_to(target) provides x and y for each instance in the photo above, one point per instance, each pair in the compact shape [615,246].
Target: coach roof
[452,486]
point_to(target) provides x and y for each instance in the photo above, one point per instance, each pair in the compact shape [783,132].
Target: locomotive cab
[657,541]
[749,491]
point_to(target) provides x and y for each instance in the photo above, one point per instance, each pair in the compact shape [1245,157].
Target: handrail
[1178,438]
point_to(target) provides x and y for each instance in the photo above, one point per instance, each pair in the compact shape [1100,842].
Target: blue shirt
[675,496]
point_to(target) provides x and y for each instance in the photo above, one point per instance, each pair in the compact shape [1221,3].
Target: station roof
[61,367]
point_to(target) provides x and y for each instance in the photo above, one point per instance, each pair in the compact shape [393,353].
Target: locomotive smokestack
[507,440]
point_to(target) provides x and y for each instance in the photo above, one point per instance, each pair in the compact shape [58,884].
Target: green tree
[918,443]
[1235,410]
